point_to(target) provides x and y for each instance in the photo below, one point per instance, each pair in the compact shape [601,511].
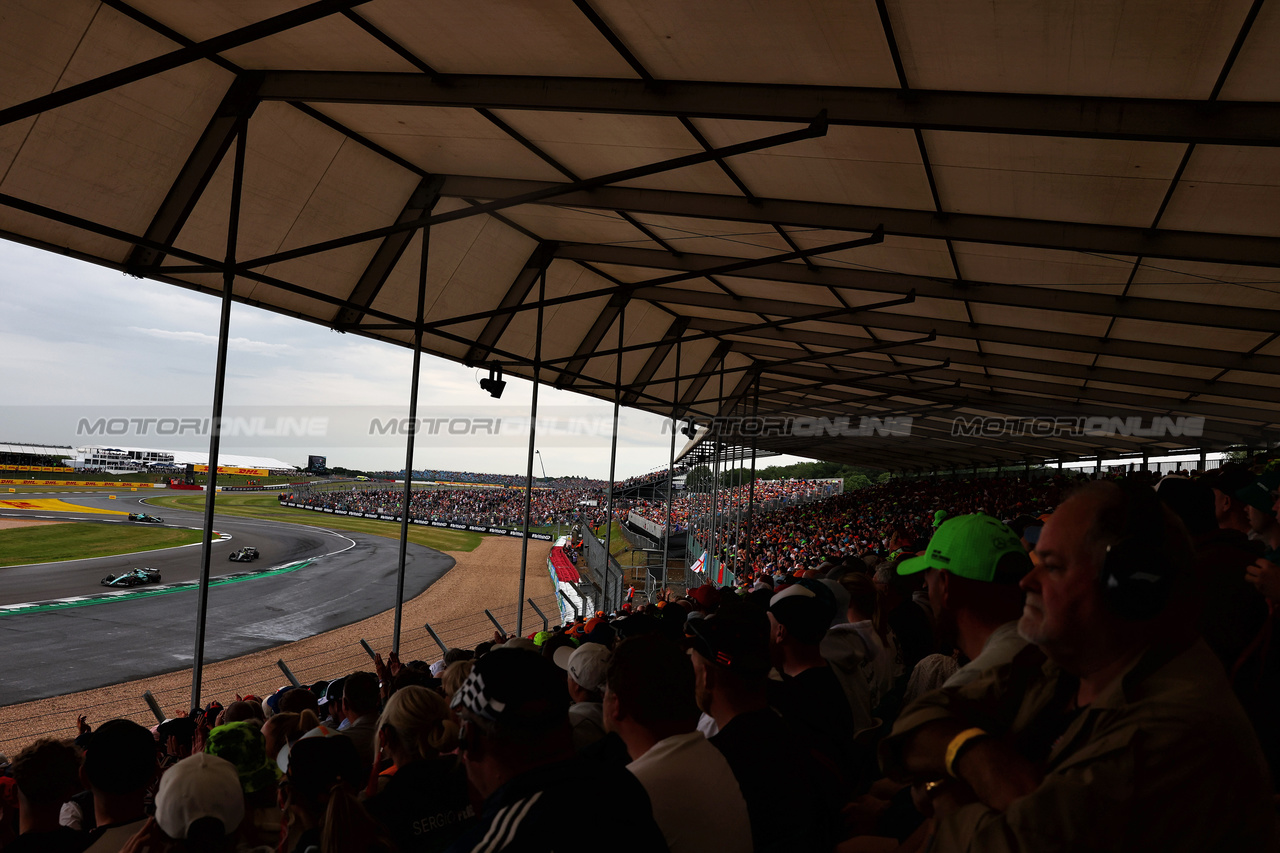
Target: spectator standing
[243,744]
[649,701]
[730,655]
[972,569]
[810,696]
[199,803]
[586,667]
[517,747]
[119,768]
[45,774]
[424,806]
[323,775]
[361,702]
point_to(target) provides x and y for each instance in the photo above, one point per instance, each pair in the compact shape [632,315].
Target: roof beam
[238,104]
[384,260]
[1065,370]
[1021,336]
[690,395]
[590,341]
[1147,119]
[517,293]
[1055,392]
[546,192]
[176,58]
[656,358]
[827,313]
[926,287]
[965,227]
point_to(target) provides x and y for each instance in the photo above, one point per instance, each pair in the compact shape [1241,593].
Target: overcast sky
[80,341]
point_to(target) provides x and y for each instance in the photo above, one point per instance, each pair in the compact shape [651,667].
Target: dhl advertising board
[113,484]
[41,469]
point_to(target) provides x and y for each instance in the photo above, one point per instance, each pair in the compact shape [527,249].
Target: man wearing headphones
[1115,730]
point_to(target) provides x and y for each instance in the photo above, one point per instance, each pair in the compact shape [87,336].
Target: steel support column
[671,464]
[751,494]
[613,451]
[409,439]
[219,386]
[533,430]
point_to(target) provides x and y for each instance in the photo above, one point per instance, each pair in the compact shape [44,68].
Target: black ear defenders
[1137,572]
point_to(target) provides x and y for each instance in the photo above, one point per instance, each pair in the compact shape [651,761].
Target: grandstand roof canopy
[939,209]
[35,449]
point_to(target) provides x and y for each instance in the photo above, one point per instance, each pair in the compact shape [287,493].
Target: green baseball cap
[939,517]
[977,547]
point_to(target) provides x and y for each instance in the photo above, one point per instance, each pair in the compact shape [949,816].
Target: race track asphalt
[62,649]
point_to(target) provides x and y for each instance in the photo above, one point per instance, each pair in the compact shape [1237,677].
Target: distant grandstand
[126,460]
[18,456]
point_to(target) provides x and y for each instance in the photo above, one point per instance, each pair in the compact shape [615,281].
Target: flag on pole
[700,563]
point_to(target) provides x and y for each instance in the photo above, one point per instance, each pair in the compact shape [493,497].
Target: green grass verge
[268,508]
[71,541]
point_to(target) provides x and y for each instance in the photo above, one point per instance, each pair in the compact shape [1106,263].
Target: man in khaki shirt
[1116,730]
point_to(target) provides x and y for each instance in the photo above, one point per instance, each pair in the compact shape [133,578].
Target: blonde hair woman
[424,805]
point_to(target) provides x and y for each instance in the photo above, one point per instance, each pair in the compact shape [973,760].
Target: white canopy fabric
[1064,210]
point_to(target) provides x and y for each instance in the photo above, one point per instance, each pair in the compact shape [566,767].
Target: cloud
[237,344]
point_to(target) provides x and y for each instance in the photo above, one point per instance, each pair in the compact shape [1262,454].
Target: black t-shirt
[765,762]
[424,806]
[574,806]
[816,710]
[914,632]
[64,839]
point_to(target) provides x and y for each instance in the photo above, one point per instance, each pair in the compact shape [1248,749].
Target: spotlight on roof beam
[495,384]
[689,429]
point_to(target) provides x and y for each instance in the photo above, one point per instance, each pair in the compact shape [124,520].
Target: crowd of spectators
[495,507]
[480,479]
[731,503]
[505,507]
[899,670]
[654,478]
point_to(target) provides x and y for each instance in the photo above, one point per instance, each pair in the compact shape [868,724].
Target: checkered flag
[473,697]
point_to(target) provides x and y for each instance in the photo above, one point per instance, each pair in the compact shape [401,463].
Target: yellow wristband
[956,745]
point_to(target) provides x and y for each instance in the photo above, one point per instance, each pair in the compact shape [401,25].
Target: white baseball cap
[587,665]
[199,786]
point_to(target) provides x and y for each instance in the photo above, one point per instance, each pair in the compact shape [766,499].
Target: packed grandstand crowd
[497,507]
[518,480]
[730,503]
[505,507]
[901,669]
[436,475]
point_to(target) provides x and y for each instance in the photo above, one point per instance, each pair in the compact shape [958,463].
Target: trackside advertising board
[432,522]
[113,484]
